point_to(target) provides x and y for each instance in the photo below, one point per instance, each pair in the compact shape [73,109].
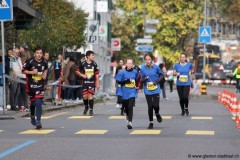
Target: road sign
[152,21]
[144,40]
[144,48]
[151,30]
[93,32]
[116,44]
[204,34]
[6,10]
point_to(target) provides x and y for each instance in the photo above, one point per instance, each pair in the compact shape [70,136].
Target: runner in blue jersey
[128,79]
[119,86]
[183,71]
[151,75]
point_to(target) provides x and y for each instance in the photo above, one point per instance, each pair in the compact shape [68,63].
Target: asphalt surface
[207,133]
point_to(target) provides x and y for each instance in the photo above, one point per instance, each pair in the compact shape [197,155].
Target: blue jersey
[184,78]
[118,86]
[128,90]
[153,74]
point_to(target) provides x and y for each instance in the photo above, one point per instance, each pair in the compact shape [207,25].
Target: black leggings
[128,106]
[183,93]
[153,103]
[119,99]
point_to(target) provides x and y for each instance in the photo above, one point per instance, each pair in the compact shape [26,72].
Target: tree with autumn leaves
[179,21]
[61,25]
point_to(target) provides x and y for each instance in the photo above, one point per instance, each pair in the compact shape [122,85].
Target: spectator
[24,54]
[70,79]
[162,82]
[170,79]
[57,68]
[237,74]
[15,71]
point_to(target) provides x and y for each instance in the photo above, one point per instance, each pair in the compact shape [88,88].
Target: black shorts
[86,89]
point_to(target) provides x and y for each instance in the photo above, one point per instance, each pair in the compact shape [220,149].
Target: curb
[204,97]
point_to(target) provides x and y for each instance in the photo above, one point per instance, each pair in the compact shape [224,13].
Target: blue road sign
[6,10]
[144,48]
[204,34]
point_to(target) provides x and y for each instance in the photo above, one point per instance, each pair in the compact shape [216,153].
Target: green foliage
[61,25]
[179,22]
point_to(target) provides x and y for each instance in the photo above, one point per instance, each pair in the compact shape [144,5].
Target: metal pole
[204,48]
[3,68]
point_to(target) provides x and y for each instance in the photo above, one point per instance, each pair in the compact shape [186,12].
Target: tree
[179,21]
[61,25]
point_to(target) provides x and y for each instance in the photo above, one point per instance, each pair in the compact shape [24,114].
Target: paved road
[208,132]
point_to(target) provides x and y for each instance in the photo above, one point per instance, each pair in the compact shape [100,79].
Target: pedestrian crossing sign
[3,4]
[204,34]
[6,10]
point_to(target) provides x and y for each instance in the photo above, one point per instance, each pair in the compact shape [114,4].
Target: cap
[24,46]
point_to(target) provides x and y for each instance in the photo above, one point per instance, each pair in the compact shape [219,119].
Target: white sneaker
[66,101]
[118,106]
[129,126]
[166,98]
[1,109]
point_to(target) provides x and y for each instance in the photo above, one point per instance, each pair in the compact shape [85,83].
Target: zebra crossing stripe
[80,117]
[92,132]
[117,117]
[145,132]
[35,131]
[201,118]
[198,132]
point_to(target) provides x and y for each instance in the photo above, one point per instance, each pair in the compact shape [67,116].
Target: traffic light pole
[204,47]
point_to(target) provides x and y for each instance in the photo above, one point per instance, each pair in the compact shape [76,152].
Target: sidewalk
[46,108]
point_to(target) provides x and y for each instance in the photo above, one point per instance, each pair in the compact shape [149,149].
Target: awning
[23,12]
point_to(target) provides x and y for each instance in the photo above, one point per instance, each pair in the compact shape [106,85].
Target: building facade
[102,50]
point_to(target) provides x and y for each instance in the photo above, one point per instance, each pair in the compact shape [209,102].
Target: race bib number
[89,72]
[151,86]
[119,85]
[131,84]
[183,78]
[37,77]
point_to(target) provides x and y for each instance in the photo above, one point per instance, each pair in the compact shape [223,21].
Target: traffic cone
[238,115]
[234,105]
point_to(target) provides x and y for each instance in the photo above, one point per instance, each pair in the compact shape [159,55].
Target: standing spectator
[236,73]
[7,70]
[14,71]
[56,75]
[170,79]
[162,82]
[24,55]
[70,79]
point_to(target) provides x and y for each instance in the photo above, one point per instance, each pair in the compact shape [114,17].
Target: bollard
[204,89]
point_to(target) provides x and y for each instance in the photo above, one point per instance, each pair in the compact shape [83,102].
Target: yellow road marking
[117,117]
[197,132]
[92,132]
[35,131]
[146,132]
[201,118]
[165,117]
[80,117]
[52,116]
